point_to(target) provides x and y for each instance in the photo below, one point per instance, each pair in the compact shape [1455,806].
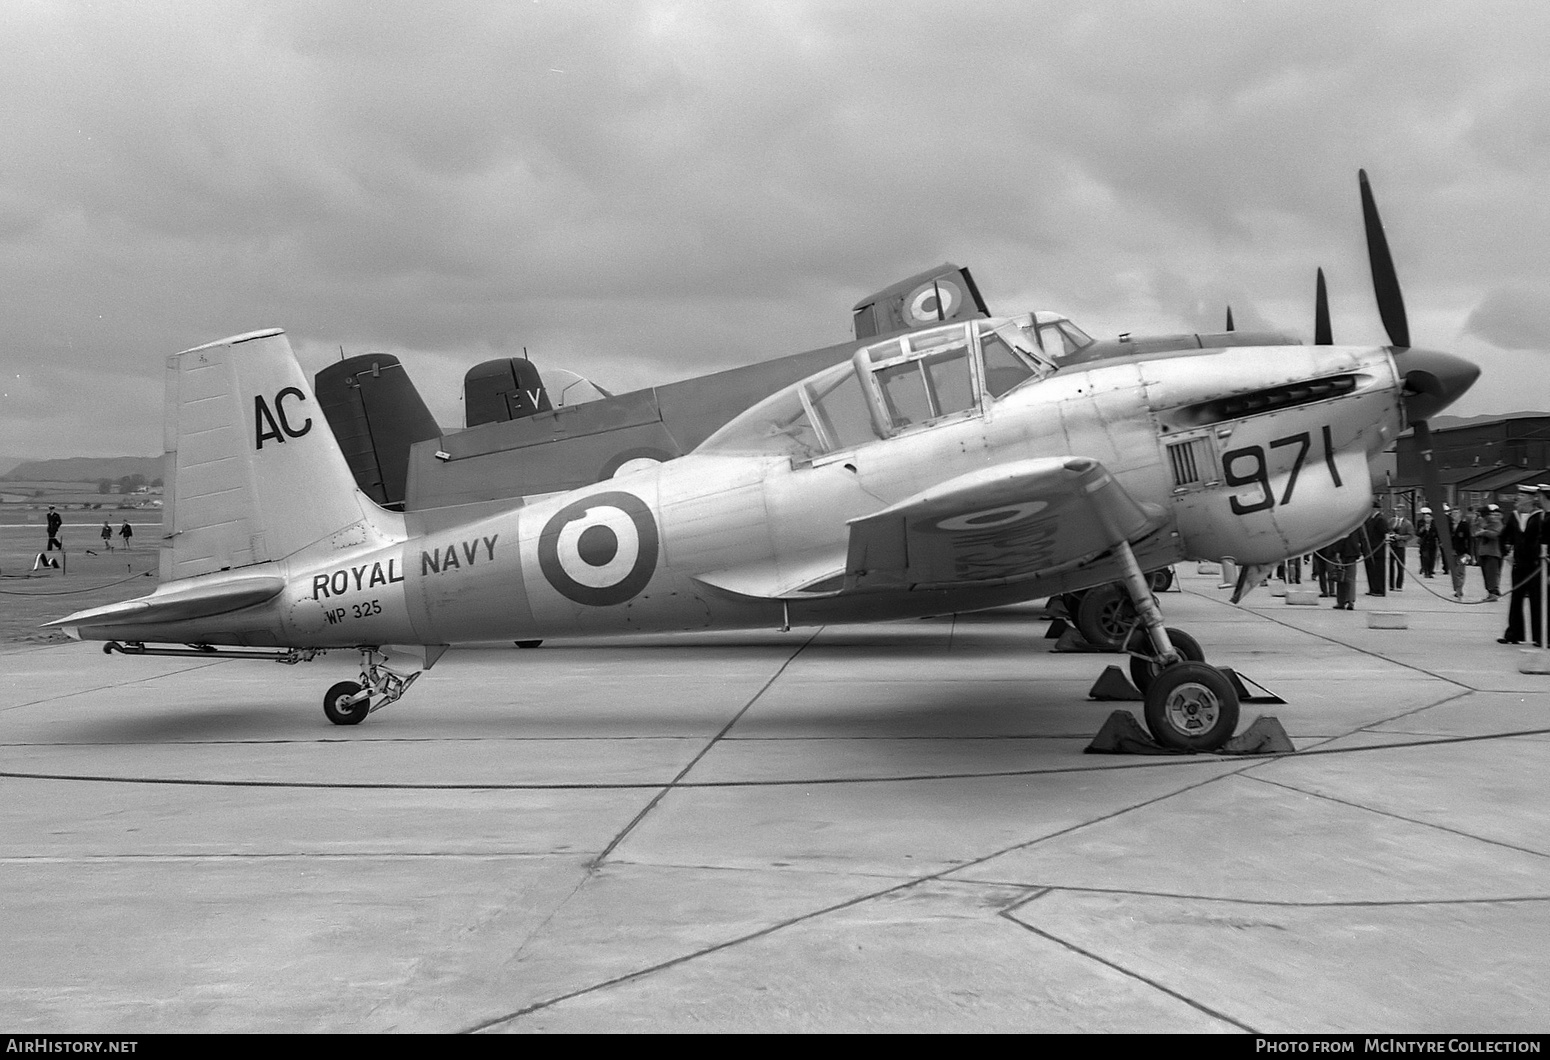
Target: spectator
[1426,535]
[107,536]
[55,521]
[126,532]
[1401,537]
[1488,551]
[1374,547]
[1463,547]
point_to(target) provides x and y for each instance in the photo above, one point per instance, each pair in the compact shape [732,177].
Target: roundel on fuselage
[933,302]
[599,550]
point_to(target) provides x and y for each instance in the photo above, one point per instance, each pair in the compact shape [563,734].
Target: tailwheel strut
[1190,705]
[348,702]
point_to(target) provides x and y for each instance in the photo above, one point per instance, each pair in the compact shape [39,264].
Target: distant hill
[84,469]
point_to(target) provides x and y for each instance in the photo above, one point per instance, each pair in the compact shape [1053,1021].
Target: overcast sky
[642,192]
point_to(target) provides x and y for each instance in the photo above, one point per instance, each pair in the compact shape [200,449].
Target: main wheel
[1191,707]
[1144,671]
[1105,616]
[341,713]
[1161,580]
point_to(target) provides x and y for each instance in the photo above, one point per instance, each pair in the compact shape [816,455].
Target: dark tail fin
[931,297]
[509,388]
[376,415]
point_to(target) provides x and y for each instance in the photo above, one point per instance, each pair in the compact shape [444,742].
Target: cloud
[1513,318]
[642,191]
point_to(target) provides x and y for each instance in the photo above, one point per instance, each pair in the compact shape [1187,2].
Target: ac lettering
[267,427]
[440,561]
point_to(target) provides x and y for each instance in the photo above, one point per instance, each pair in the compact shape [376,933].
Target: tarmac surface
[887,827]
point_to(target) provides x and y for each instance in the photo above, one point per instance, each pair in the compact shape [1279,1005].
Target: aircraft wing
[996,525]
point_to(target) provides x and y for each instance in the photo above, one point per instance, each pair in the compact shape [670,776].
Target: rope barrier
[88,589]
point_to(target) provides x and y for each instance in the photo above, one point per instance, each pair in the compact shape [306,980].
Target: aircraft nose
[1433,380]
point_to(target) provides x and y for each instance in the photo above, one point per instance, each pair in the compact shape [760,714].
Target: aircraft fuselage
[681,545]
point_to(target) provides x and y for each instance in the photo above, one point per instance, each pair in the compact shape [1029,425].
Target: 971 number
[1253,458]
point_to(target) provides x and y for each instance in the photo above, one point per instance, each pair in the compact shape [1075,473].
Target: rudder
[252,471]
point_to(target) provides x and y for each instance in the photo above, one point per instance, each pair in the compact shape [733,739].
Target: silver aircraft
[947,469]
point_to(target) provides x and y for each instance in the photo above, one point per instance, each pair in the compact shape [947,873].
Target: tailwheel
[1191,706]
[1105,615]
[341,707]
[1144,666]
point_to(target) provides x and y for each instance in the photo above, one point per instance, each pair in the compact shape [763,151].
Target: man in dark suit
[1375,551]
[1524,536]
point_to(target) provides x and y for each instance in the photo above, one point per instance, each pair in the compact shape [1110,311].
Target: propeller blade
[1229,318]
[1385,282]
[1434,493]
[1323,335]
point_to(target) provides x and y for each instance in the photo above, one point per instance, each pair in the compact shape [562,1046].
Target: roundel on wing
[924,303]
[599,550]
[991,518]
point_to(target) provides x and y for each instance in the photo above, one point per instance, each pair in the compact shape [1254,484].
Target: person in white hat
[1523,536]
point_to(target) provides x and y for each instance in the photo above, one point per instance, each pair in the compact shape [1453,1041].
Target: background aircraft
[948,469]
[518,443]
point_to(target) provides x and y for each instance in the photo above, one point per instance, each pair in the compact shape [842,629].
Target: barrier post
[1544,595]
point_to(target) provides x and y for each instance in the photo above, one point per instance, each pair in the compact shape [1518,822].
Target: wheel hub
[1191,709]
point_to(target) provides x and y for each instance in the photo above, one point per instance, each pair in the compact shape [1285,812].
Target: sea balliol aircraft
[948,469]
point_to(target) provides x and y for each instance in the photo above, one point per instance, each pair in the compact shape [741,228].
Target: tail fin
[377,415]
[253,472]
[931,297]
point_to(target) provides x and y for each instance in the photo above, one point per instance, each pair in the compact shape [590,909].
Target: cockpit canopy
[900,384]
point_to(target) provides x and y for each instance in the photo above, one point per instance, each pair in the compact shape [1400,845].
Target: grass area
[28,598]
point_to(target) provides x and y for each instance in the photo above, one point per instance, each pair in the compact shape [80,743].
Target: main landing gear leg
[1190,705]
[348,703]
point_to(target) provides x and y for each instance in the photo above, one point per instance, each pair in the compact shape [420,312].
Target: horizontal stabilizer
[181,603]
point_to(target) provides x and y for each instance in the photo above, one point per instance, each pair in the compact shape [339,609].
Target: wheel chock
[1278,588]
[1207,568]
[1249,691]
[1387,620]
[1056,628]
[1533,661]
[1265,737]
[1122,734]
[1072,641]
[1302,598]
[1113,686]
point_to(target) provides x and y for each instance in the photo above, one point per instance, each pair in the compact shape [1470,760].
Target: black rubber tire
[1105,616]
[528,643]
[1160,580]
[1192,707]
[353,714]
[1144,671]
